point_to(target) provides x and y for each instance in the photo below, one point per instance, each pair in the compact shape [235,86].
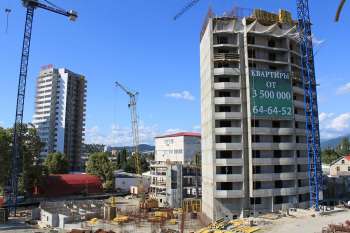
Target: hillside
[332,142]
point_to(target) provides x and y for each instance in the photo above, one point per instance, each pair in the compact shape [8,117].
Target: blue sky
[137,43]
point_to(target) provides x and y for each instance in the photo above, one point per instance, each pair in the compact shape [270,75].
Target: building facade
[254,149]
[179,147]
[60,113]
[340,167]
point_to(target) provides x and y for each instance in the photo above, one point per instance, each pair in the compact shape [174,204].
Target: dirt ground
[302,221]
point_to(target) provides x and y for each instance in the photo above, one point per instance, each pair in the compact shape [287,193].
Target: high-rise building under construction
[254,146]
[60,113]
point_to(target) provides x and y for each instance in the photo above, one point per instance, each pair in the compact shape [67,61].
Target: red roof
[347,157]
[181,134]
[70,184]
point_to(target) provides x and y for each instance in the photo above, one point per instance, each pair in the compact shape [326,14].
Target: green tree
[29,151]
[329,155]
[31,147]
[344,147]
[99,165]
[5,155]
[57,163]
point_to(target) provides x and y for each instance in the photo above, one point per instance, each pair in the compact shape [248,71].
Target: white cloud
[1,124]
[120,136]
[171,131]
[332,125]
[341,122]
[344,89]
[185,95]
[324,116]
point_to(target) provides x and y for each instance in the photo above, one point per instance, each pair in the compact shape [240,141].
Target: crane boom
[134,125]
[191,4]
[31,5]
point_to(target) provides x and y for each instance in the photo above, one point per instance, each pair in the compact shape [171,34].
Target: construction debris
[233,226]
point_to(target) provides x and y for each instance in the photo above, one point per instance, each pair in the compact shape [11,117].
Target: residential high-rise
[60,113]
[254,148]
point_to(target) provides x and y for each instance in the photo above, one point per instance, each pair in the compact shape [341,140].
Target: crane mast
[310,103]
[134,125]
[31,5]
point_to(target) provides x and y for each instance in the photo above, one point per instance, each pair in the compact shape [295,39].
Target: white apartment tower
[254,151]
[60,113]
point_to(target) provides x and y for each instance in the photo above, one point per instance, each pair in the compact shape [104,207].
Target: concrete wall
[49,219]
[207,118]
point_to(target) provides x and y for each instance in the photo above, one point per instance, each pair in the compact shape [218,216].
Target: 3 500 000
[270,110]
[266,94]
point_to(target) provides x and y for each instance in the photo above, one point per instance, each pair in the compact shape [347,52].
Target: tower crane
[30,5]
[310,100]
[134,126]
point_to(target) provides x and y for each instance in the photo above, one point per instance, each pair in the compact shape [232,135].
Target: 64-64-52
[272,110]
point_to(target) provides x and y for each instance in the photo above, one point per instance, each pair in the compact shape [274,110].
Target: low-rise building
[340,167]
[175,173]
[174,182]
[124,181]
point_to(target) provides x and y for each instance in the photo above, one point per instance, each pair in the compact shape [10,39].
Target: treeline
[329,155]
[103,164]
[30,171]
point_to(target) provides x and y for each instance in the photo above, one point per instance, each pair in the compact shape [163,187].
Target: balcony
[273,161]
[226,56]
[227,100]
[299,103]
[229,194]
[228,146]
[226,71]
[266,60]
[273,131]
[227,86]
[228,115]
[228,131]
[229,177]
[230,44]
[279,146]
[274,176]
[298,90]
[259,46]
[229,162]
[274,192]
[300,117]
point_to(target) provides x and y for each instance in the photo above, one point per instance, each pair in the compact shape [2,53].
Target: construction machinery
[30,5]
[310,97]
[134,126]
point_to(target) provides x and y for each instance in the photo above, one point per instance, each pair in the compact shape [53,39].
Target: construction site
[255,166]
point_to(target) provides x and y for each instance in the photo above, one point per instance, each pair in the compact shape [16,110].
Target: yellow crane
[134,125]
